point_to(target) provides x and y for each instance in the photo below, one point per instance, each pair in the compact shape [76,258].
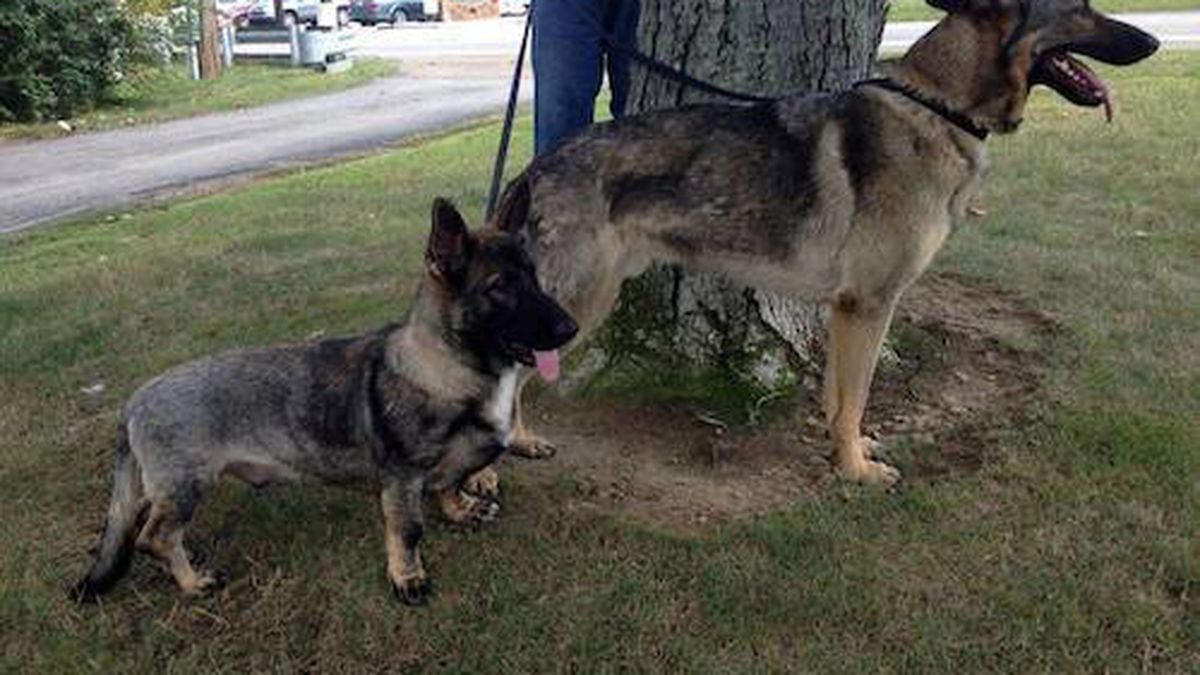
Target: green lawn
[915,10]
[1075,547]
[167,93]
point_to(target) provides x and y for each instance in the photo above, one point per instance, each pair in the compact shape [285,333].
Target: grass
[167,93]
[1075,548]
[919,10]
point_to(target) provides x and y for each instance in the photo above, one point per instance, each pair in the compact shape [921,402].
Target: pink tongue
[1099,88]
[547,365]
[1103,92]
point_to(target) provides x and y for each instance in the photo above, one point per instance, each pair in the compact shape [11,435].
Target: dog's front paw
[466,509]
[870,472]
[206,583]
[856,464]
[532,447]
[414,591]
[483,483]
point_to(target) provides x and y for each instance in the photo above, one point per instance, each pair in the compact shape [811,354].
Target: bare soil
[966,363]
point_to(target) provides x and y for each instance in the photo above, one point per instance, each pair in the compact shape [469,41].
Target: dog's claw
[871,472]
[414,592]
[467,509]
[490,511]
[483,511]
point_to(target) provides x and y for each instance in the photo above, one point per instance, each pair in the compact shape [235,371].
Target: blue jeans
[569,60]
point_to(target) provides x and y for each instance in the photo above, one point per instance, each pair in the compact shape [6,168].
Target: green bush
[60,56]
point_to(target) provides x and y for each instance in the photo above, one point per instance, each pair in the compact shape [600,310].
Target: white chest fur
[500,408]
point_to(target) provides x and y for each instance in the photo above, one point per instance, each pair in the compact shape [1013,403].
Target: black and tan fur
[415,408]
[842,198]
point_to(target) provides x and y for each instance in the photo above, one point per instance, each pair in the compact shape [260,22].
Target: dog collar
[954,117]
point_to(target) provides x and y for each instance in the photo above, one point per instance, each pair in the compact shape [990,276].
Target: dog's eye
[500,296]
[498,292]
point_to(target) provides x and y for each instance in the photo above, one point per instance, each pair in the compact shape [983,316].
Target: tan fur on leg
[402,531]
[483,483]
[460,507]
[524,442]
[162,537]
[855,338]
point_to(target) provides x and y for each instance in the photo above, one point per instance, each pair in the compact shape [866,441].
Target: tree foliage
[61,56]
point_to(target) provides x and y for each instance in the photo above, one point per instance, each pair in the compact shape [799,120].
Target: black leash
[954,117]
[671,73]
[509,114]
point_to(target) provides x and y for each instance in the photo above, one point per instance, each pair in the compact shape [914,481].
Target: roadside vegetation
[83,65]
[919,10]
[166,93]
[1070,544]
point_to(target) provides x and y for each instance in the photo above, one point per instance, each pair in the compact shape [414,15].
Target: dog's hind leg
[856,333]
[162,536]
[403,526]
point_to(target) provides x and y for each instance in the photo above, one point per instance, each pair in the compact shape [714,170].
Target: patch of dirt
[966,362]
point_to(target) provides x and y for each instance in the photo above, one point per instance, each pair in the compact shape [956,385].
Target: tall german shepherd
[843,198]
[415,408]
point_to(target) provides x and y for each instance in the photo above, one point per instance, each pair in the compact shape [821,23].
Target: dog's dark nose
[565,329]
[1151,44]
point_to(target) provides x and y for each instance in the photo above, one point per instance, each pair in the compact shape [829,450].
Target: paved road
[459,72]
[43,181]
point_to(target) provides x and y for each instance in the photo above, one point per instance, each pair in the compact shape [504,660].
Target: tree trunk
[210,45]
[763,47]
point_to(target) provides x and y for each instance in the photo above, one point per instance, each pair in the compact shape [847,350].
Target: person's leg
[621,22]
[566,68]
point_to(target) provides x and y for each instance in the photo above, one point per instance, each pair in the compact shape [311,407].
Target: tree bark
[210,45]
[763,47]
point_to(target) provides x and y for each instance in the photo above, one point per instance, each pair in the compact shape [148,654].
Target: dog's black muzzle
[1115,42]
[555,327]
[544,327]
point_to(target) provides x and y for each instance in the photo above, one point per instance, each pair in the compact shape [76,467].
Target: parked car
[235,12]
[371,12]
[295,11]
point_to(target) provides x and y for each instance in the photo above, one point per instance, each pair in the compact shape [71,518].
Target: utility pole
[210,44]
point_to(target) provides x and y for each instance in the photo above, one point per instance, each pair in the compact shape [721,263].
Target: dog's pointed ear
[514,207]
[952,6]
[947,5]
[449,246]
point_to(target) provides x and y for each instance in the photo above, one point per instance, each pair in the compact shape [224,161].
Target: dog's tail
[126,512]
